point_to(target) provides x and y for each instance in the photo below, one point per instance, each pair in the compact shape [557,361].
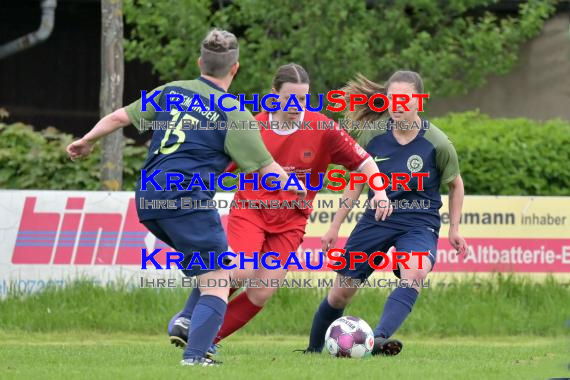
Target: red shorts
[247,236]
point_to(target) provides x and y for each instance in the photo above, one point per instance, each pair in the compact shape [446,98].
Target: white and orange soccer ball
[349,337]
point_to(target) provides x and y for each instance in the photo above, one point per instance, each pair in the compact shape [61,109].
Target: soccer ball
[349,337]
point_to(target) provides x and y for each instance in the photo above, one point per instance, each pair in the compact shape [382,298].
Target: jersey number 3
[176,131]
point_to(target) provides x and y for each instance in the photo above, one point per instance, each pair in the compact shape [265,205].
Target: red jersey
[299,151]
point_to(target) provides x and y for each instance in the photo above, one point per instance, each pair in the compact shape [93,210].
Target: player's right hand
[329,239]
[380,198]
[301,193]
[78,149]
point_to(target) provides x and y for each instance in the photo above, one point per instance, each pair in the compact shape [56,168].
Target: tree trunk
[111,92]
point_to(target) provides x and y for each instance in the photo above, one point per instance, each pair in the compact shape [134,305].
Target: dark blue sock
[190,303]
[325,315]
[396,310]
[206,320]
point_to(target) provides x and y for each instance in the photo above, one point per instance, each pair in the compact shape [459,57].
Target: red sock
[240,311]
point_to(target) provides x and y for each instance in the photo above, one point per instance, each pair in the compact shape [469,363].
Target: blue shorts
[199,231]
[370,236]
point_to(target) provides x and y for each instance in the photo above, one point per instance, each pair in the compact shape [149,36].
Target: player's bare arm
[380,198]
[456,195]
[369,168]
[329,239]
[107,125]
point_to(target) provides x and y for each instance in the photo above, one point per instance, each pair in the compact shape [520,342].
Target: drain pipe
[34,38]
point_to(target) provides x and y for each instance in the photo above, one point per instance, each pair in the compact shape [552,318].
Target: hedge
[510,156]
[37,160]
[497,157]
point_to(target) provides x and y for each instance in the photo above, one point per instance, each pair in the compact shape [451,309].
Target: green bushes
[497,157]
[37,160]
[510,156]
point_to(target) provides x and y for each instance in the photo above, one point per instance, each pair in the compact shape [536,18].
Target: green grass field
[500,305]
[120,356]
[503,327]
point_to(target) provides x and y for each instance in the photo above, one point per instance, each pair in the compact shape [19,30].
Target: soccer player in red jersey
[309,149]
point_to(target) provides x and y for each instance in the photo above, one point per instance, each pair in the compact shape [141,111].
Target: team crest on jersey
[307,155]
[415,163]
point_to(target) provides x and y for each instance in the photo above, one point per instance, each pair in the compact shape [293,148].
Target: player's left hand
[78,149]
[457,242]
[329,240]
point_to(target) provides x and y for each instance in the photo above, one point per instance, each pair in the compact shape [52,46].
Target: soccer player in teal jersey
[413,145]
[189,151]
